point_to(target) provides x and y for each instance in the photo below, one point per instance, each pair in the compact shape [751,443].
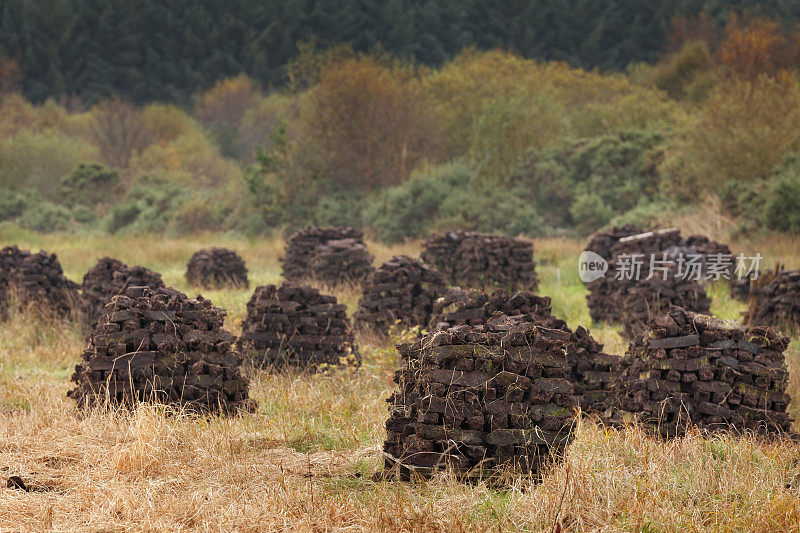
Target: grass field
[306,459]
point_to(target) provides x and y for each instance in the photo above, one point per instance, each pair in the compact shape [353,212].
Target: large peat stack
[655,296]
[777,302]
[628,293]
[109,278]
[402,289]
[216,268]
[295,325]
[592,371]
[482,260]
[36,279]
[690,369]
[159,345]
[328,254]
[474,399]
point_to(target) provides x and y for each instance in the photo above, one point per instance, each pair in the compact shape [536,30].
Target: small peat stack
[474,399]
[694,370]
[776,302]
[109,278]
[602,241]
[402,289]
[216,268]
[328,254]
[36,279]
[295,325]
[482,260]
[159,345]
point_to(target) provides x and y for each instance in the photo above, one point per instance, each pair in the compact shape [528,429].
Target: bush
[197,213]
[584,186]
[40,160]
[47,216]
[494,211]
[31,211]
[89,184]
[447,197]
[338,210]
[407,210]
[13,204]
[781,207]
[148,206]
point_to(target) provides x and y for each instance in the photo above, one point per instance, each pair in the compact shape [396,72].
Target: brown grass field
[306,459]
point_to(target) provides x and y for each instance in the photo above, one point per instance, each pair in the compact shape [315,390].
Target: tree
[368,122]
[119,130]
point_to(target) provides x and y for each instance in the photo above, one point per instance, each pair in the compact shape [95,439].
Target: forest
[488,140]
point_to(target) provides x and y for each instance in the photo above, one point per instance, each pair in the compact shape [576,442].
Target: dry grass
[306,459]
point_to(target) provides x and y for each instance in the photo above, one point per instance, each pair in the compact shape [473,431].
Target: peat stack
[402,289]
[602,241]
[216,268]
[159,345]
[472,307]
[655,296]
[328,254]
[626,295]
[36,279]
[474,399]
[109,278]
[341,261]
[592,371]
[689,369]
[776,302]
[295,325]
[482,260]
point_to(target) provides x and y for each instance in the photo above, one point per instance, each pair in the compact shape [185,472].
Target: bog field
[310,457]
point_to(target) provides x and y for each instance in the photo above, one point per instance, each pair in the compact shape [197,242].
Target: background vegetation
[396,141]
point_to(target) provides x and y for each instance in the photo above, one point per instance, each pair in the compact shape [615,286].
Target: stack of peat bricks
[295,325]
[477,398]
[401,289]
[479,260]
[216,268]
[631,296]
[159,345]
[776,302]
[689,369]
[108,278]
[36,279]
[472,307]
[593,372]
[328,254]
[602,241]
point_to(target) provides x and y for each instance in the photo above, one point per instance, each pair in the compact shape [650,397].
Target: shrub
[89,184]
[198,212]
[494,210]
[587,184]
[781,208]
[45,217]
[407,210]
[148,206]
[39,160]
[13,204]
